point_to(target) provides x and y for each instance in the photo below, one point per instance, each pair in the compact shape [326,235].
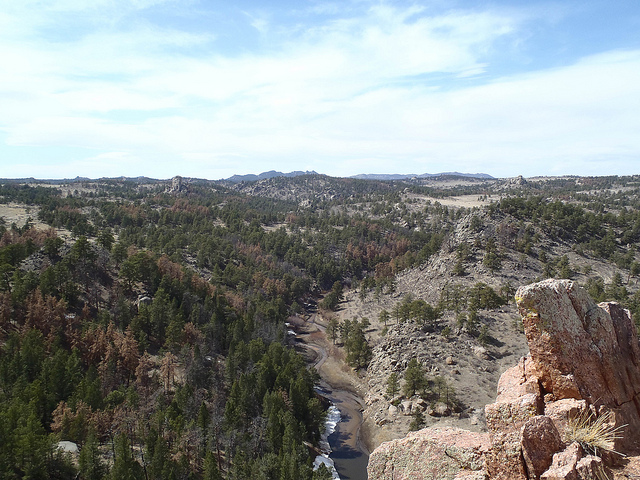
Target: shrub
[592,432]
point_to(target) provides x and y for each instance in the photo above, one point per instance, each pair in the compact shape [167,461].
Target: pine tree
[332,330]
[90,463]
[211,471]
[125,467]
[414,378]
[417,422]
[384,317]
[393,385]
[322,473]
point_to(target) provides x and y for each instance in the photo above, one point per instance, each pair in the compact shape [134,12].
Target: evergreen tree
[90,462]
[211,471]
[417,421]
[332,329]
[384,316]
[414,378]
[125,467]
[322,473]
[393,385]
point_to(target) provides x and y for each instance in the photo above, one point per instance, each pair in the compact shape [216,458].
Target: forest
[147,325]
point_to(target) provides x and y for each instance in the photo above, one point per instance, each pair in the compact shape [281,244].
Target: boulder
[406,407]
[144,300]
[518,381]
[631,469]
[68,447]
[561,411]
[440,409]
[592,467]
[564,464]
[573,464]
[540,440]
[519,399]
[480,352]
[431,454]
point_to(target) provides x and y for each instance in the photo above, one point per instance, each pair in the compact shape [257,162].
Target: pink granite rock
[631,470]
[584,351]
[564,464]
[431,454]
[581,356]
[519,380]
[540,440]
[562,411]
[518,401]
[592,467]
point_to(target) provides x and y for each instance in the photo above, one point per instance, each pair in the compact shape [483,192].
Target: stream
[349,455]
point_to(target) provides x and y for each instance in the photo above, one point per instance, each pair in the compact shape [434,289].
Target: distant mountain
[382,176]
[58,181]
[248,178]
[265,175]
[395,176]
[140,179]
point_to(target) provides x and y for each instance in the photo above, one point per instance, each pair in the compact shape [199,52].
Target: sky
[209,89]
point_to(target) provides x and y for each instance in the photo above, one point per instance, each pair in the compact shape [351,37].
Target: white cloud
[350,95]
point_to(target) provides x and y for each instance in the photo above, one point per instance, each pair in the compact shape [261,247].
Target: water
[333,418]
[350,462]
[345,453]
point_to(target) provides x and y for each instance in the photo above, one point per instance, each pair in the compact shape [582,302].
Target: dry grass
[594,433]
[601,473]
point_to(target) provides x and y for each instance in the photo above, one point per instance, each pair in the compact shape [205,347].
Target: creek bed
[349,456]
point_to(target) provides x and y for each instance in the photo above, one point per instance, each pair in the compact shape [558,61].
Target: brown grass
[593,432]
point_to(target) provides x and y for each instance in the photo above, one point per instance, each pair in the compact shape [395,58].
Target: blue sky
[209,89]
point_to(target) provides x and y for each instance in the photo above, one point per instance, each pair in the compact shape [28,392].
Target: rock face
[540,440]
[583,358]
[584,351]
[431,454]
[177,186]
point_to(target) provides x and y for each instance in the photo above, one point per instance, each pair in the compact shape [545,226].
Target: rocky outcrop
[178,185]
[584,362]
[584,351]
[515,182]
[431,454]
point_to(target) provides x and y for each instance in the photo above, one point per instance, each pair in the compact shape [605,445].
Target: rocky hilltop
[570,410]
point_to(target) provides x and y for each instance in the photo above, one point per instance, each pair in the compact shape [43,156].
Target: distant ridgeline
[254,177]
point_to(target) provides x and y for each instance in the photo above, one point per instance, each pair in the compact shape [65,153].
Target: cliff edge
[568,411]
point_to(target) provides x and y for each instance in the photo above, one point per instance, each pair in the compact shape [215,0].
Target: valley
[152,314]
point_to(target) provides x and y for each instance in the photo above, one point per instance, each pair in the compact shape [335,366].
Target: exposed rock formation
[583,357]
[430,454]
[584,351]
[540,441]
[177,186]
[515,182]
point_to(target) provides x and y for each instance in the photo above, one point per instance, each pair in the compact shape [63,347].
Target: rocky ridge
[304,190]
[584,363]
